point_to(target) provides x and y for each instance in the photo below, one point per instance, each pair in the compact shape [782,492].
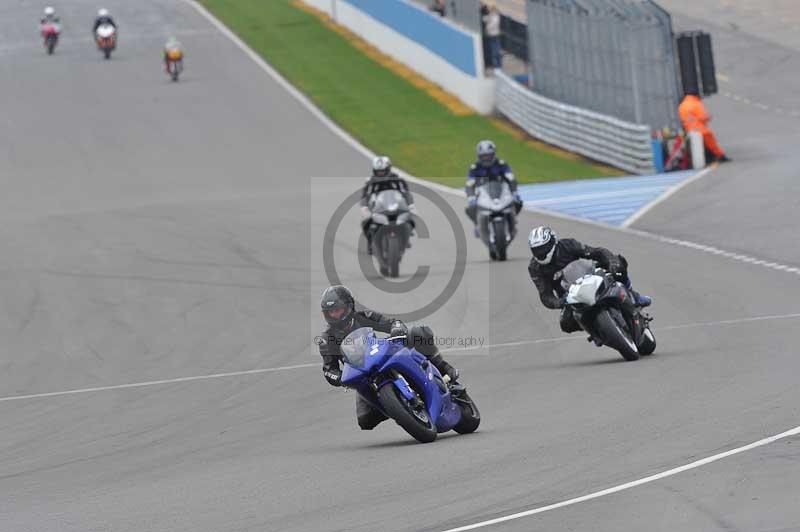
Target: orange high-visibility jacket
[693,113]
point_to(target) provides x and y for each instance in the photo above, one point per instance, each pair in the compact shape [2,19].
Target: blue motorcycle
[402,384]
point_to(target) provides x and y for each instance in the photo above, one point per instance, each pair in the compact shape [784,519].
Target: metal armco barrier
[599,137]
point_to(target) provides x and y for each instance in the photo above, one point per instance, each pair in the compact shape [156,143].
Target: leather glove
[472,201]
[518,203]
[614,268]
[398,329]
[452,373]
[365,212]
[333,376]
[412,208]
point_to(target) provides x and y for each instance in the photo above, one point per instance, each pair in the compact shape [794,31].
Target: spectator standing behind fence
[438,7]
[491,21]
[695,118]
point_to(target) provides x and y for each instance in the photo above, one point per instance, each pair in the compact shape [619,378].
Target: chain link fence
[615,57]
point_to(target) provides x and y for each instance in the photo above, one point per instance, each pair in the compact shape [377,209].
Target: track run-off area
[161,269]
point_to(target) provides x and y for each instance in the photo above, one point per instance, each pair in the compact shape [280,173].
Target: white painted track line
[158,382]
[453,351]
[577,336]
[628,485]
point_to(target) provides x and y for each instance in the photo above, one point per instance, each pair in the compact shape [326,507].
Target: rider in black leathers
[383,178]
[551,255]
[103,17]
[338,309]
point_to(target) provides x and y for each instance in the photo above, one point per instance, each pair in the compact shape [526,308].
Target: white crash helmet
[487,152]
[381,166]
[102,12]
[542,242]
[49,12]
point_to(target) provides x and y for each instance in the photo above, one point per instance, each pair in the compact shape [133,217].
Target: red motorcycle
[50,32]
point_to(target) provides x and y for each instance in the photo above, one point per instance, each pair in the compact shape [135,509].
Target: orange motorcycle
[106,38]
[174,59]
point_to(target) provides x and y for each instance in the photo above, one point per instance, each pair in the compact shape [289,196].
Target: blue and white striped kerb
[611,201]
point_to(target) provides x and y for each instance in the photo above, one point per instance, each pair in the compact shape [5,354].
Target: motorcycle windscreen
[357,344]
[575,270]
[389,202]
[494,195]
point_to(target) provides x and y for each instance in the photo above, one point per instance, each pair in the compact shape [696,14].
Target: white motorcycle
[605,309]
[496,216]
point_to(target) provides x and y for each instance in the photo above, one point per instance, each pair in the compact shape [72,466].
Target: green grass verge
[381,109]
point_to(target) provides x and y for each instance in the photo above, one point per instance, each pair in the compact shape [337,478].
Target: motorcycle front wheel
[414,421]
[500,244]
[615,337]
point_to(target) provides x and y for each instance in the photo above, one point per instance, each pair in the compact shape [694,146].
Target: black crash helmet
[338,306]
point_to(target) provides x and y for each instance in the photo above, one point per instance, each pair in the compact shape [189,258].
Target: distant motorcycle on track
[391,230]
[50,33]
[106,38]
[605,309]
[174,58]
[405,386]
[496,215]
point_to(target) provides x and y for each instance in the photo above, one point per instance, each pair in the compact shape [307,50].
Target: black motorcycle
[606,310]
[391,230]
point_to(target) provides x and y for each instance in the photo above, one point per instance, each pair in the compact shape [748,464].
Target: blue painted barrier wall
[446,41]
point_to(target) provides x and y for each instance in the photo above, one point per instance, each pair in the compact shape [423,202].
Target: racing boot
[638,299]
[444,367]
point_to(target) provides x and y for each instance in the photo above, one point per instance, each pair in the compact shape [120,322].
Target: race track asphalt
[153,230]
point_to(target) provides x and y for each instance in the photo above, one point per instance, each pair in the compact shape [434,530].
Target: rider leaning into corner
[103,17]
[551,255]
[383,178]
[487,168]
[338,309]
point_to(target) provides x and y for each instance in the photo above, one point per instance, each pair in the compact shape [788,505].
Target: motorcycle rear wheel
[648,343]
[470,416]
[399,409]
